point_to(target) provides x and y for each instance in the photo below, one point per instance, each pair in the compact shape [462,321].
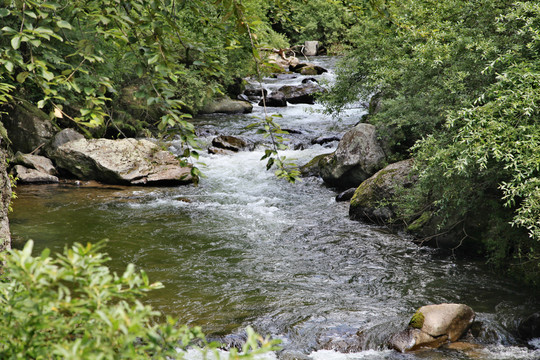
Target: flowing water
[244,248]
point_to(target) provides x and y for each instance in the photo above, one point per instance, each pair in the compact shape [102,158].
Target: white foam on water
[363,355]
[196,354]
[501,352]
[535,343]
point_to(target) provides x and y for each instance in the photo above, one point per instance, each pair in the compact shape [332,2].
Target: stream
[244,248]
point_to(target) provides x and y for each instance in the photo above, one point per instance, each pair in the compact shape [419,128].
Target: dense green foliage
[72,307]
[322,20]
[457,83]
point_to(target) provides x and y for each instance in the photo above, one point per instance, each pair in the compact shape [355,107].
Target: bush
[73,307]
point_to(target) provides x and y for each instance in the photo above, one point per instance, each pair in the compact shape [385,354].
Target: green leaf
[47,75]
[16,42]
[22,76]
[4,12]
[35,42]
[153,59]
[9,30]
[9,66]
[64,24]
[31,14]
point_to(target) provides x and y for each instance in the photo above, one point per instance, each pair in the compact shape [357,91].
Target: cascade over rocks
[365,204]
[28,127]
[125,161]
[357,157]
[433,326]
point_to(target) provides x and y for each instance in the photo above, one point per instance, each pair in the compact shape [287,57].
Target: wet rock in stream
[432,326]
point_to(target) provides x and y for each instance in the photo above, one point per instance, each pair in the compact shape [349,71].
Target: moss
[313,166]
[363,196]
[419,223]
[34,110]
[417,321]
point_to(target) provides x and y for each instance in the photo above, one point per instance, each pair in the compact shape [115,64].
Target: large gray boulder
[61,138]
[367,198]
[125,161]
[28,127]
[434,325]
[5,197]
[357,157]
[227,106]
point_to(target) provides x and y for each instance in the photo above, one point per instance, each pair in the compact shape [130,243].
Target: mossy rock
[312,167]
[417,320]
[372,199]
[419,223]
[28,127]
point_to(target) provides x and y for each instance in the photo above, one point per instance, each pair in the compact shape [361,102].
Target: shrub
[73,307]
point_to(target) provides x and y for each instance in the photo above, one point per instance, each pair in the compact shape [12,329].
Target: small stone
[346,195]
[33,176]
[228,142]
[37,162]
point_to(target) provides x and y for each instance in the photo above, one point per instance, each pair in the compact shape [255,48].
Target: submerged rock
[125,161]
[357,157]
[367,199]
[434,325]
